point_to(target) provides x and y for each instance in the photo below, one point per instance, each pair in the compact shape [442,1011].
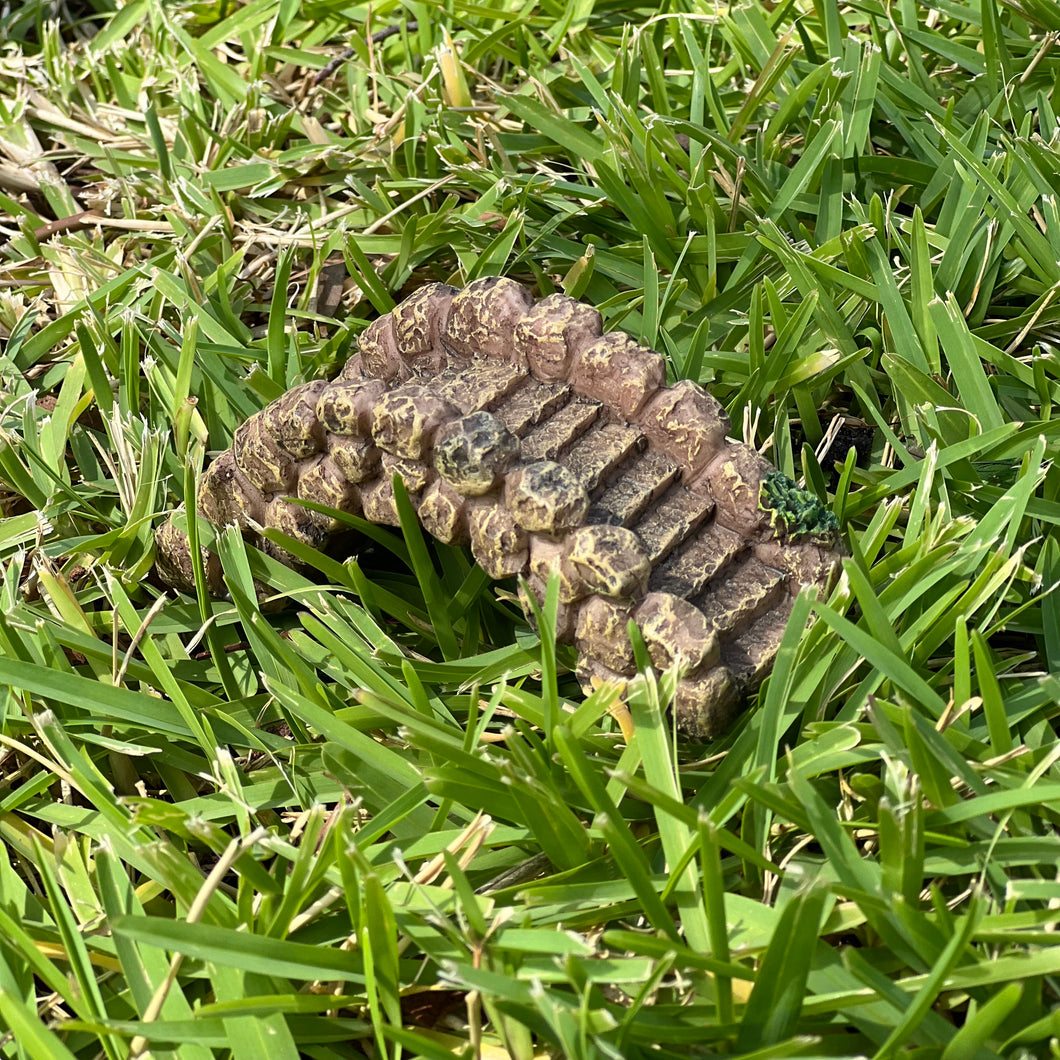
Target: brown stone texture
[705,705]
[735,478]
[347,407]
[672,520]
[378,504]
[473,452]
[291,421]
[500,547]
[554,330]
[602,632]
[482,390]
[290,518]
[750,657]
[415,474]
[418,325]
[805,562]
[356,458]
[549,439]
[552,450]
[405,420]
[628,496]
[263,462]
[545,497]
[691,568]
[610,560]
[483,316]
[687,424]
[619,372]
[532,403]
[602,452]
[174,563]
[675,631]
[380,358]
[547,557]
[322,482]
[733,601]
[352,371]
[226,495]
[443,513]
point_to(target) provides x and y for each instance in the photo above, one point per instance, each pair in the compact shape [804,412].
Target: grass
[379,818]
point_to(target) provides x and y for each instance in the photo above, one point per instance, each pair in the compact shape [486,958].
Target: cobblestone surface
[521,429]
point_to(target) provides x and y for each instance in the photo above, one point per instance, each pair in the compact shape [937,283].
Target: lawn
[361,808]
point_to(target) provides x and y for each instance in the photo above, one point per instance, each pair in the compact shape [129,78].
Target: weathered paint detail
[554,451]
